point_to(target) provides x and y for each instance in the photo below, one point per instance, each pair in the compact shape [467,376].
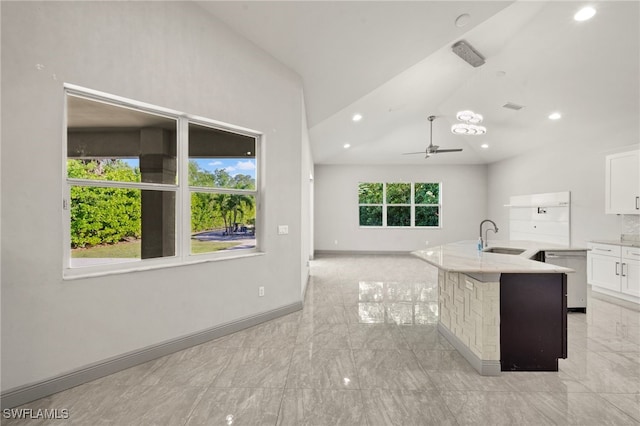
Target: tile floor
[365,351]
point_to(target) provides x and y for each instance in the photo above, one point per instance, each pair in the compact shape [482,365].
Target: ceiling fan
[432,149]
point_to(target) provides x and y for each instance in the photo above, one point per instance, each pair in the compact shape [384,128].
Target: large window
[147,186]
[222,183]
[400,205]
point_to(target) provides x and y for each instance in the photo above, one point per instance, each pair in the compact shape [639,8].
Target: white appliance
[577,281]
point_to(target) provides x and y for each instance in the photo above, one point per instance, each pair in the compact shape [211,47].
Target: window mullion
[183,222]
[412,207]
[218,190]
[384,204]
[122,185]
[66,195]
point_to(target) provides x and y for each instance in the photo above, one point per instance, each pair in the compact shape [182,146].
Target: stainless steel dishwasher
[576,281]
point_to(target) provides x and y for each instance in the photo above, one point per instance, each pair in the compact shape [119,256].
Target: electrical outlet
[260,291]
[335,242]
[283,229]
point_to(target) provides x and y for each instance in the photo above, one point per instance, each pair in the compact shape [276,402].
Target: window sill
[70,274]
[400,227]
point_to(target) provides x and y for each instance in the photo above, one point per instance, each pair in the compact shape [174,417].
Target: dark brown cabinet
[533,321]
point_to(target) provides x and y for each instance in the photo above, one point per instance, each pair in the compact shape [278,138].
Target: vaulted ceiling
[392,62]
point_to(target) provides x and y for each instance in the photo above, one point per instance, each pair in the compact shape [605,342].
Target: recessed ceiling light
[555,116]
[584,14]
[346,146]
[484,145]
[463,20]
[356,117]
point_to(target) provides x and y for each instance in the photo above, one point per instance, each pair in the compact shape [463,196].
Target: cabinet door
[622,189]
[631,277]
[604,271]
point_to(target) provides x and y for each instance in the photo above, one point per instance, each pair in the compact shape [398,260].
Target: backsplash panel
[630,228]
[541,217]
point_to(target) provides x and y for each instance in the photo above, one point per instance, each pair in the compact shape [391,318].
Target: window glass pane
[427,193]
[110,225]
[120,170]
[427,216]
[222,222]
[221,159]
[370,215]
[114,143]
[370,193]
[398,193]
[398,216]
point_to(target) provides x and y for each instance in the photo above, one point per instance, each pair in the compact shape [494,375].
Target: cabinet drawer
[631,253]
[605,249]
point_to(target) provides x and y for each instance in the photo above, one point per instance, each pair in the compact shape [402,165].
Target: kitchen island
[500,308]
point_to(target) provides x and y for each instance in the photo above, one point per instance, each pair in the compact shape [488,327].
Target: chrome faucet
[483,241]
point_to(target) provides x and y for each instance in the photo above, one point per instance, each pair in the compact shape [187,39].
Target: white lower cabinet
[630,273]
[614,270]
[605,272]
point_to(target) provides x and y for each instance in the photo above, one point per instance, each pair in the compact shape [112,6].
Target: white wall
[170,54]
[306,199]
[576,165]
[464,201]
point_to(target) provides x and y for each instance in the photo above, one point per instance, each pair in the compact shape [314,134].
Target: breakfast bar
[500,308]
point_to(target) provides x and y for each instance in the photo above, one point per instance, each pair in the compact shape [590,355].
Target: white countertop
[463,256]
[618,243]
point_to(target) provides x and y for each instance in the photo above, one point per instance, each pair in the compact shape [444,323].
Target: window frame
[200,121]
[412,205]
[183,255]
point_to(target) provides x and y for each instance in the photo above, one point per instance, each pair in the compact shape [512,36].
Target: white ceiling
[392,62]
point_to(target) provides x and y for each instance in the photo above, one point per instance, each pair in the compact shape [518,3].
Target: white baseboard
[615,297]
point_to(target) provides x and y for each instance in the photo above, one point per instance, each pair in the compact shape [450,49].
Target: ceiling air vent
[511,105]
[468,53]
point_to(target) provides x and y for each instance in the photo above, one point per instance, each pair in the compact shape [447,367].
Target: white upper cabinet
[622,188]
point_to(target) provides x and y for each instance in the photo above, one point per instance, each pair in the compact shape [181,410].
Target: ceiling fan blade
[432,149]
[449,150]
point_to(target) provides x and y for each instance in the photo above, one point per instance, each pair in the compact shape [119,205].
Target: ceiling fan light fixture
[465,115]
[469,125]
[468,129]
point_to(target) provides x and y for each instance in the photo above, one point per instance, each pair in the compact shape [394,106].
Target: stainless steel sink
[504,250]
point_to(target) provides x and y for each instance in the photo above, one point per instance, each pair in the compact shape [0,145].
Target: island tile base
[470,319]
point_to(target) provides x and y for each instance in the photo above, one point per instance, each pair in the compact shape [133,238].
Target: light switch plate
[283,229]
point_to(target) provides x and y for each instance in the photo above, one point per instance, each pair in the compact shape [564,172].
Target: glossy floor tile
[365,350]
